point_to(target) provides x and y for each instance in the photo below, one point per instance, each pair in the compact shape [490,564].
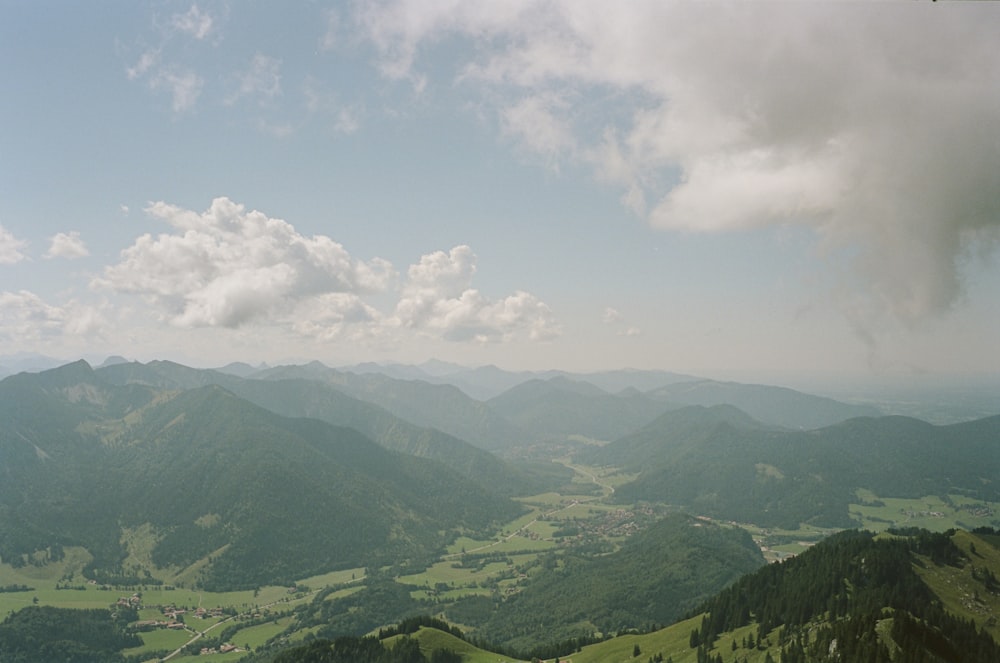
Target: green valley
[282,517]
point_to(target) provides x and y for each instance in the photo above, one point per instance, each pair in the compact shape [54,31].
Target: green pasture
[934,513]
[520,544]
[256,636]
[518,523]
[334,578]
[341,593]
[160,640]
[445,572]
[672,642]
[431,640]
[543,501]
[465,544]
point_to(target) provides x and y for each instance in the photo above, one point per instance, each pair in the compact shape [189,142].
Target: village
[173,619]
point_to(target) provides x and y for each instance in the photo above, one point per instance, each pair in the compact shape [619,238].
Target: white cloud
[194,22]
[25,317]
[438,298]
[262,79]
[875,125]
[67,245]
[11,248]
[228,266]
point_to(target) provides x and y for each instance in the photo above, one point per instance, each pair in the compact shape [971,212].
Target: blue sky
[714,188]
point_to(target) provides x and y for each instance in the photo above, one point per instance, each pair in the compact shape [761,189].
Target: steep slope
[778,406]
[272,498]
[735,470]
[560,407]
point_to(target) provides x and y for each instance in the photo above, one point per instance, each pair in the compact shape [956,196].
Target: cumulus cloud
[438,298]
[228,266]
[24,316]
[874,125]
[67,245]
[11,248]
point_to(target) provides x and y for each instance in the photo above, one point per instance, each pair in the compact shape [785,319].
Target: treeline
[42,634]
[829,600]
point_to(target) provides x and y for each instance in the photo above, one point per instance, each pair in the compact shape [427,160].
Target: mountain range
[268,498]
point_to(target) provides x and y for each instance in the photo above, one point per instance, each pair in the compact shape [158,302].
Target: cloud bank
[876,127]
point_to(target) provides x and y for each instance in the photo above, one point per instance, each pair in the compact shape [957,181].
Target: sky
[725,189]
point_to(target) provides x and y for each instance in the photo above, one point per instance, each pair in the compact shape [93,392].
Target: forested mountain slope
[439,406]
[312,398]
[855,597]
[717,462]
[271,498]
[657,575]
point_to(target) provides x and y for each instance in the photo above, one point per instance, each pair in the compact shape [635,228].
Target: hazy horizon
[724,190]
